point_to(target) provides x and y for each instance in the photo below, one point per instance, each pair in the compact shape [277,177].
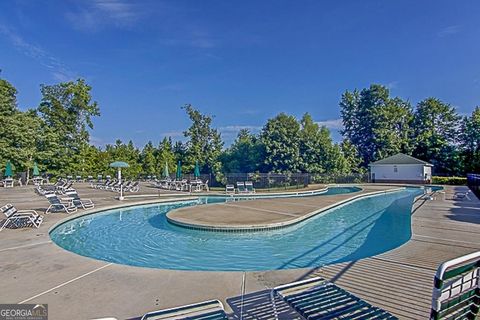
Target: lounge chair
[20,217]
[83,203]
[456,292]
[229,188]
[208,310]
[241,187]
[57,206]
[317,298]
[461,195]
[249,187]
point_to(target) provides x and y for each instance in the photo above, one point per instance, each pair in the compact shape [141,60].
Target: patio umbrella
[36,172]
[8,169]
[179,170]
[166,174]
[119,165]
[196,172]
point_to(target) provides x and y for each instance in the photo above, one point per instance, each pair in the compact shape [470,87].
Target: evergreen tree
[470,141]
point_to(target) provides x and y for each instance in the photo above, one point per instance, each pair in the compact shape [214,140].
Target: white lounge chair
[57,206]
[249,187]
[211,310]
[241,187]
[229,188]
[20,217]
[83,203]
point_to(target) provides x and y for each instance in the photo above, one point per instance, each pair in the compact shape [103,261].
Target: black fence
[286,180]
[473,182]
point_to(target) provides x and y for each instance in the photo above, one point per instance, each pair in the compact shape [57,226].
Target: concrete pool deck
[35,270]
[248,214]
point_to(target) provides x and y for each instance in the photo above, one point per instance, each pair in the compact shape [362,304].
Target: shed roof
[401,158]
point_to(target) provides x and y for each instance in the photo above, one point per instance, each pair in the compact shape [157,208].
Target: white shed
[401,168]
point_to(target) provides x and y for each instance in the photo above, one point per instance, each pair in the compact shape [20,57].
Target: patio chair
[83,203]
[229,188]
[57,206]
[20,217]
[211,310]
[249,187]
[456,291]
[8,183]
[241,187]
[461,195]
[317,298]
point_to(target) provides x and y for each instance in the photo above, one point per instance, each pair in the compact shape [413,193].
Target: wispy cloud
[335,124]
[59,71]
[191,36]
[448,31]
[173,134]
[93,15]
[392,85]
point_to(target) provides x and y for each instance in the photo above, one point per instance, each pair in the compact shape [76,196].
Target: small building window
[395,169]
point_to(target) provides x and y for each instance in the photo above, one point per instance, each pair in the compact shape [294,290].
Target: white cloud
[450,30]
[335,124]
[59,71]
[94,14]
[237,128]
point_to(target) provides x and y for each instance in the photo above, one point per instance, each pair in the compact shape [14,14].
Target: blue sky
[242,61]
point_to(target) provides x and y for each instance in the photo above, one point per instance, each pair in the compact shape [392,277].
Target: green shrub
[457,181]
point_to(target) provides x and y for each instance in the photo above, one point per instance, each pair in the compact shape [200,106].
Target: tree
[147,159]
[470,142]
[204,143]
[435,131]
[280,136]
[376,124]
[166,155]
[246,154]
[68,109]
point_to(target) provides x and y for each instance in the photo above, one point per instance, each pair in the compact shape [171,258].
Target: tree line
[55,135]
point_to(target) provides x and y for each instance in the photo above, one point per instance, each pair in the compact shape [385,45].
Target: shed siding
[413,173]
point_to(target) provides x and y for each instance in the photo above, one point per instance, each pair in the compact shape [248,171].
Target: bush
[457,181]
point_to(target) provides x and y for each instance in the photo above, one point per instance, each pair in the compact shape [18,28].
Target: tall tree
[470,141]
[68,109]
[376,124]
[204,143]
[435,131]
[317,151]
[147,158]
[280,136]
[166,156]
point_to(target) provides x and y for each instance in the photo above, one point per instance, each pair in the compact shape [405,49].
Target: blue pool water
[141,236]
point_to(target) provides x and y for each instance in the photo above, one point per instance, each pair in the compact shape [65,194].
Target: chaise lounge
[19,218]
[57,206]
[211,310]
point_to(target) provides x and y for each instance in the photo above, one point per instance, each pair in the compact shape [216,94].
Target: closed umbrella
[119,165]
[179,170]
[166,174]
[8,169]
[36,172]
[196,172]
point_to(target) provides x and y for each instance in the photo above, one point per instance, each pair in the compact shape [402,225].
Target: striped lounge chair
[207,310]
[317,298]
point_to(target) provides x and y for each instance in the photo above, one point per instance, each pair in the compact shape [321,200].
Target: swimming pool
[141,236]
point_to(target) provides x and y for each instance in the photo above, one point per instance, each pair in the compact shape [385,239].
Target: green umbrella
[119,164]
[36,172]
[196,172]
[8,169]
[179,170]
[166,174]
